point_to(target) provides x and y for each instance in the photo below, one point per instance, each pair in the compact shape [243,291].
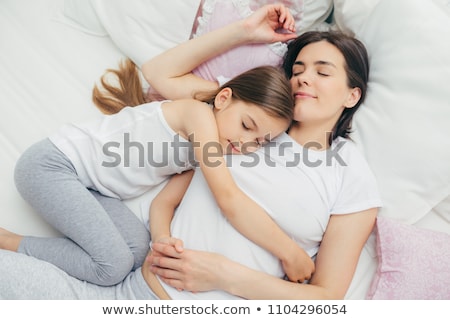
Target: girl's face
[319,83]
[244,127]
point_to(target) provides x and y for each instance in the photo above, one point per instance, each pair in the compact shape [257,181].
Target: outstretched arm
[249,218]
[336,262]
[170,72]
[163,207]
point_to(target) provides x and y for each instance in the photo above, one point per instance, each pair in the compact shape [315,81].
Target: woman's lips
[304,95]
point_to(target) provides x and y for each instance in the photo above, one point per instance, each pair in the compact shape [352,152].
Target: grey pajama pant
[26,278]
[103,239]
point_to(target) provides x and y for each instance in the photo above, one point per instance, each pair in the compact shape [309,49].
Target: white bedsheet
[47,72]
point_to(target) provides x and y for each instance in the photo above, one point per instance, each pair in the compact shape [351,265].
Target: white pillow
[350,15]
[315,12]
[81,15]
[141,29]
[308,14]
[403,126]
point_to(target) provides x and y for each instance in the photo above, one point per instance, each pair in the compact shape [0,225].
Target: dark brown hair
[356,67]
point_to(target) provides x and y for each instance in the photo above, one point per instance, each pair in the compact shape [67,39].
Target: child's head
[252,108]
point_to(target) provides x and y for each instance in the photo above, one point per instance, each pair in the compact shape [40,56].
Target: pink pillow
[413,263]
[239,59]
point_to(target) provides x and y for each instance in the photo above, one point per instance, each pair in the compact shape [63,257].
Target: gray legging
[24,277]
[104,240]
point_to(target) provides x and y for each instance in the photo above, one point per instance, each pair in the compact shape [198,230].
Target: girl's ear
[353,97]
[223,98]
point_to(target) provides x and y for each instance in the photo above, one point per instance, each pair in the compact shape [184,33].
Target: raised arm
[170,72]
[336,262]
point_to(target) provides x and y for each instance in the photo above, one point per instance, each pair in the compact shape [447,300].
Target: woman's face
[319,83]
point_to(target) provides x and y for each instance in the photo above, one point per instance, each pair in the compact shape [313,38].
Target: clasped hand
[263,25]
[298,265]
[189,270]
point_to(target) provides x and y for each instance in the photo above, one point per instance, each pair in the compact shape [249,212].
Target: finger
[286,19]
[166,250]
[281,14]
[177,284]
[179,246]
[284,37]
[166,263]
[165,273]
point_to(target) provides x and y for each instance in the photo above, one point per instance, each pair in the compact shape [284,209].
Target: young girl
[73,177]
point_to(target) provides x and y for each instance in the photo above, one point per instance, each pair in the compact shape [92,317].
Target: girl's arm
[163,206]
[198,122]
[170,72]
[336,262]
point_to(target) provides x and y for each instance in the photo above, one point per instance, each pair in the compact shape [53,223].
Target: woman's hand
[271,23]
[189,270]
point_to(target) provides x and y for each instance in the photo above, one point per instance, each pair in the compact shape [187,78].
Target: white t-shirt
[125,154]
[299,188]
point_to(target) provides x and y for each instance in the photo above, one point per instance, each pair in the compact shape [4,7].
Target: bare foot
[9,240]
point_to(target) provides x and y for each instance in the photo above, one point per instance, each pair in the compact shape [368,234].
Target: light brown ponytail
[121,87]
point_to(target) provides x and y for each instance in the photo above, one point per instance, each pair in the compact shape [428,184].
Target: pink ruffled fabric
[414,263]
[240,59]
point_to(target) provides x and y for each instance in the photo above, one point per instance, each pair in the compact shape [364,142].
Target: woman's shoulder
[354,167]
[347,150]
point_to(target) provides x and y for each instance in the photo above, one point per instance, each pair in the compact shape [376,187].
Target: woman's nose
[303,78]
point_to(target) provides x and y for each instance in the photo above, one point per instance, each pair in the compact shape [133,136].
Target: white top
[300,188]
[125,154]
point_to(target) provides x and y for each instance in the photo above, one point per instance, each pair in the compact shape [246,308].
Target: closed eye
[244,126]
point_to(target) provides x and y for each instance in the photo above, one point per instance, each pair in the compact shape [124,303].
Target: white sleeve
[358,189]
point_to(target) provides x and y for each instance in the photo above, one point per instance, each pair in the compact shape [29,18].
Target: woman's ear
[223,98]
[353,97]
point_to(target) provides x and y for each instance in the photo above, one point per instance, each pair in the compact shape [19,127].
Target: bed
[53,51]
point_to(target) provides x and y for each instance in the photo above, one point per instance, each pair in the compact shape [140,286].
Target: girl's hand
[177,244]
[271,23]
[190,270]
[298,265]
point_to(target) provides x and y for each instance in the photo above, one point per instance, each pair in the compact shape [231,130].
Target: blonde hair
[128,91]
